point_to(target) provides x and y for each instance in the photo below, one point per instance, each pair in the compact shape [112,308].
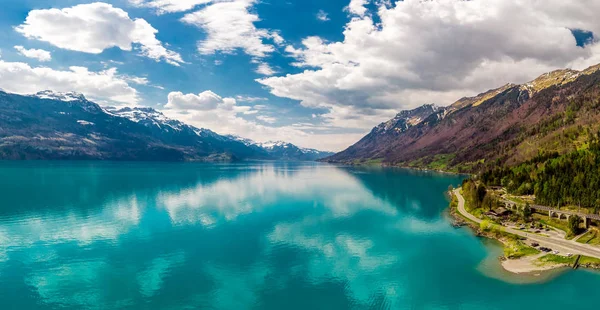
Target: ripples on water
[239,236]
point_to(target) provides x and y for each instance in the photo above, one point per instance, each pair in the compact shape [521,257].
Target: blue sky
[316,73]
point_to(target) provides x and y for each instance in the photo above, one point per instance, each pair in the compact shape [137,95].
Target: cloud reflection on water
[333,228]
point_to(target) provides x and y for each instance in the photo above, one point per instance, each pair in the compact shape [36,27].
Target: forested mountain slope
[554,113]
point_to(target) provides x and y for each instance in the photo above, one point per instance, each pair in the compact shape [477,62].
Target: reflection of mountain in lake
[79,186]
[411,191]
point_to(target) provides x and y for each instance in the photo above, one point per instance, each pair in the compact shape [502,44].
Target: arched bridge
[556,213]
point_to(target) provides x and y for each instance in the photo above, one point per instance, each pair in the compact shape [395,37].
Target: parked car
[535,244]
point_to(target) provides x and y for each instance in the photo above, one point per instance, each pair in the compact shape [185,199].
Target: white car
[555,252]
[569,254]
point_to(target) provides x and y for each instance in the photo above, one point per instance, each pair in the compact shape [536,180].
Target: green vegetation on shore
[591,237]
[558,259]
[585,260]
[514,249]
[479,198]
[436,162]
[555,180]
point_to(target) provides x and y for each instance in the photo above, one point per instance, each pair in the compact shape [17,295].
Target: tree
[488,202]
[481,191]
[527,211]
[574,221]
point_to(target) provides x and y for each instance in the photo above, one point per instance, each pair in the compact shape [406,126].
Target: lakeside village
[535,237]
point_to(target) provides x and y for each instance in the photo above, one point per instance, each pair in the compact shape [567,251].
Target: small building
[501,211]
[498,212]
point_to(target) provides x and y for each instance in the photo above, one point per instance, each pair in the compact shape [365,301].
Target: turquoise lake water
[81,235]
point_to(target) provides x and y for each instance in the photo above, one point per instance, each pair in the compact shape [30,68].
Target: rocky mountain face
[507,125]
[280,150]
[50,125]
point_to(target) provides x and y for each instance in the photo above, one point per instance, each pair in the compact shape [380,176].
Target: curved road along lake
[260,235]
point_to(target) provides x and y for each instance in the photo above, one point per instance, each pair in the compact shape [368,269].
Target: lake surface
[81,235]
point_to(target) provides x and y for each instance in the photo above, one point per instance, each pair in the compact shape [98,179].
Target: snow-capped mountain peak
[245,141]
[154,118]
[283,150]
[274,144]
[407,118]
[138,114]
[67,97]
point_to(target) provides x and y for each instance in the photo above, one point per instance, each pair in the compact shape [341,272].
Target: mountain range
[51,125]
[555,113]
[283,150]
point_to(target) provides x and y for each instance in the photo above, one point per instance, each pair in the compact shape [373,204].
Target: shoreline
[383,165]
[528,265]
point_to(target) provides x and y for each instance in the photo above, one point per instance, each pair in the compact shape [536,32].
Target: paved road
[563,246]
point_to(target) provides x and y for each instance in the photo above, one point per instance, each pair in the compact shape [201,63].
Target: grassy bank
[514,249]
[584,261]
[591,237]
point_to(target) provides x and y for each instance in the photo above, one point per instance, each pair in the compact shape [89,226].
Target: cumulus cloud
[225,116]
[39,54]
[92,28]
[357,7]
[416,52]
[230,26]
[106,85]
[204,101]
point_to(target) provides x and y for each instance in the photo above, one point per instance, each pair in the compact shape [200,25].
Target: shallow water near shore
[491,266]
[257,235]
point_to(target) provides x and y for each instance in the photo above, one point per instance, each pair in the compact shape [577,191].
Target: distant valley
[56,126]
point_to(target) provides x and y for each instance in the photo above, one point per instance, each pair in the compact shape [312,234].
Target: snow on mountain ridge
[67,97]
[153,117]
[271,145]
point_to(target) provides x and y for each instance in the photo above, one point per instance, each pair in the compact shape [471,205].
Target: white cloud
[357,7]
[92,28]
[420,52]
[323,16]
[250,99]
[169,6]
[204,101]
[224,116]
[265,69]
[107,85]
[39,54]
[230,26]
[276,37]
[266,119]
